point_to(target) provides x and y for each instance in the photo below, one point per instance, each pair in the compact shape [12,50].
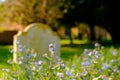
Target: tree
[80,11]
[112,18]
[24,13]
[95,12]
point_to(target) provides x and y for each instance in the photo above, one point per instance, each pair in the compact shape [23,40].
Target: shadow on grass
[69,51]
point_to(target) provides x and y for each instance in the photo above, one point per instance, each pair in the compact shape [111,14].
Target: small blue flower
[104,78]
[30,56]
[96,44]
[51,47]
[69,73]
[85,51]
[83,73]
[104,66]
[61,75]
[20,47]
[90,54]
[17,42]
[86,63]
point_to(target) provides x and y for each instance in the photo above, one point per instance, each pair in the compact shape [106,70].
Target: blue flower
[86,63]
[104,66]
[96,44]
[69,73]
[51,47]
[61,75]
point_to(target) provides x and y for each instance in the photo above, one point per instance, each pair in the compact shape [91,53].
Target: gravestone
[35,37]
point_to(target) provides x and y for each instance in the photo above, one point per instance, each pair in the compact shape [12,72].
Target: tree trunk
[92,32]
[115,34]
[70,36]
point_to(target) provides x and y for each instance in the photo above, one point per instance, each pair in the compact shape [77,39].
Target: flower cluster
[92,64]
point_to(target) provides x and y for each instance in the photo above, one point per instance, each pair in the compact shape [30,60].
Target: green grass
[67,51]
[72,53]
[75,41]
[5,55]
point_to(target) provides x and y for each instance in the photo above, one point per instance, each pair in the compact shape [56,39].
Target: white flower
[97,44]
[39,62]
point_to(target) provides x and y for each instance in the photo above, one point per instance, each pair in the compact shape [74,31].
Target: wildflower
[85,51]
[20,47]
[83,73]
[73,66]
[17,42]
[104,66]
[95,51]
[85,58]
[59,63]
[12,51]
[61,75]
[58,58]
[7,70]
[96,44]
[104,78]
[30,56]
[35,63]
[97,56]
[19,62]
[51,47]
[90,54]
[69,73]
[85,63]
[9,61]
[114,52]
[34,55]
[113,60]
[77,74]
[39,62]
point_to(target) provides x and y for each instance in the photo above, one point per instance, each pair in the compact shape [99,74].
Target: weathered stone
[36,37]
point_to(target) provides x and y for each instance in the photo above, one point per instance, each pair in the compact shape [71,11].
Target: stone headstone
[36,37]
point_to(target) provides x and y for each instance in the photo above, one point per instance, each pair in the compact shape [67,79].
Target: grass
[98,68]
[67,51]
[5,54]
[75,41]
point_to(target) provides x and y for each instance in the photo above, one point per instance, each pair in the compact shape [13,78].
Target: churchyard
[59,40]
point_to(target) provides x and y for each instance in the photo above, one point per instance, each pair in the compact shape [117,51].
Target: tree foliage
[68,12]
[22,12]
[105,13]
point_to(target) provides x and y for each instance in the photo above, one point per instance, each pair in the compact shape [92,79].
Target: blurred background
[75,21]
